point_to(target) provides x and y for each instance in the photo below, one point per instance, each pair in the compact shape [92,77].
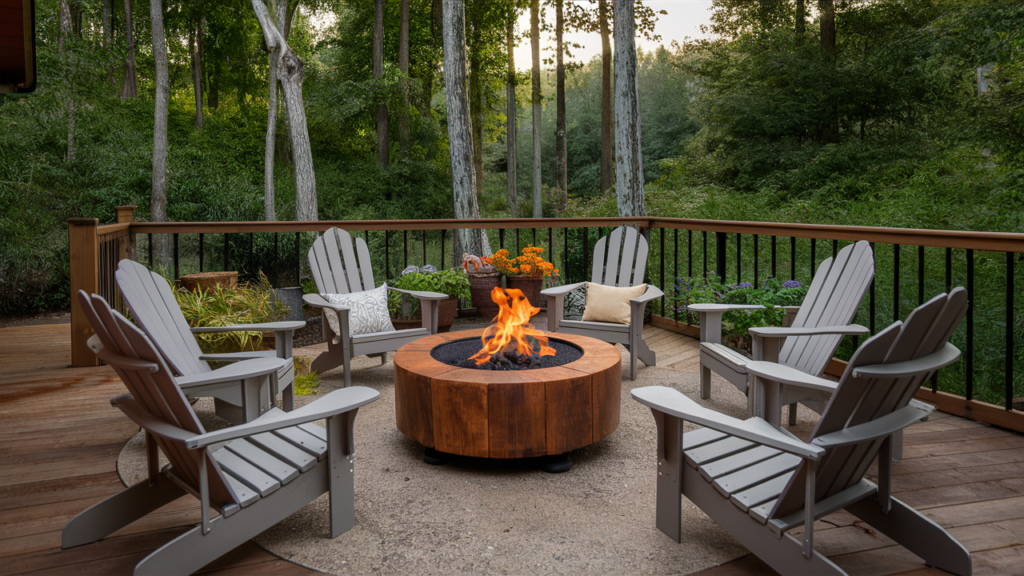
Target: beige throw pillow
[609,303]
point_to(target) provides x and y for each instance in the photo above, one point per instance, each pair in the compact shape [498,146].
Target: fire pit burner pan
[458,352]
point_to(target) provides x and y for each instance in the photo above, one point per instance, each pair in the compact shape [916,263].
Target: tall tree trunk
[66,24]
[436,29]
[629,167]
[536,99]
[289,72]
[476,100]
[69,155]
[270,142]
[511,192]
[801,21]
[158,197]
[607,118]
[129,89]
[108,33]
[196,48]
[383,147]
[561,151]
[403,65]
[460,128]
[829,129]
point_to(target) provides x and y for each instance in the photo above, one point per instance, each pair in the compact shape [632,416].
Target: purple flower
[791,284]
[742,285]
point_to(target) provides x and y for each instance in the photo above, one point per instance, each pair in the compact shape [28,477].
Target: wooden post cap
[125,213]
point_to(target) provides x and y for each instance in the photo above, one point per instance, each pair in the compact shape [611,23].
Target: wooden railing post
[126,214]
[84,247]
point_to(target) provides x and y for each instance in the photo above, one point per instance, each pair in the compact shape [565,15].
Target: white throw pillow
[368,311]
[610,303]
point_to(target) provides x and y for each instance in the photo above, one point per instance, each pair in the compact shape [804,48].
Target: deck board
[63,438]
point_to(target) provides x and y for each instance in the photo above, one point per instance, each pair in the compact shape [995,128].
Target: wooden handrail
[111,229]
[983,241]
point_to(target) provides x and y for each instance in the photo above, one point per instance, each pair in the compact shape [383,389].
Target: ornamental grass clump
[252,303]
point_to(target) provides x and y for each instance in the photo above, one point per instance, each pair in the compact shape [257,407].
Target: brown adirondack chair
[623,264]
[253,474]
[759,482]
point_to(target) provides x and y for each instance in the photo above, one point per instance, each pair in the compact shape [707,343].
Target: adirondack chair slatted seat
[253,474]
[341,265]
[759,482]
[811,339]
[238,396]
[620,259]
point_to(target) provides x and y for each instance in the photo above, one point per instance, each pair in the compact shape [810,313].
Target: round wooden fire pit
[507,414]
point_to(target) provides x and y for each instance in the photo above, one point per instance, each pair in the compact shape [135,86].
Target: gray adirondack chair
[620,259]
[341,265]
[811,339]
[253,474]
[238,397]
[759,482]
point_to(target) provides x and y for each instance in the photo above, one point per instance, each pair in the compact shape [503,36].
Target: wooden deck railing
[911,266]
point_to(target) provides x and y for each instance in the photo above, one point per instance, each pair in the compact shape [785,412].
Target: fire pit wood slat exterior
[507,414]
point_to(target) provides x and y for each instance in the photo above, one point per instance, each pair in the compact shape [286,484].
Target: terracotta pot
[480,287]
[531,286]
[207,280]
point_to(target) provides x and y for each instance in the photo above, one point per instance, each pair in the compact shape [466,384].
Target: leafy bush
[454,282]
[735,324]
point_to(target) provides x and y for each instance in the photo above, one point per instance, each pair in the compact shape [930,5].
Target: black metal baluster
[227,253]
[586,251]
[405,249]
[454,264]
[675,270]
[551,245]
[835,248]
[920,275]
[518,248]
[949,269]
[252,264]
[424,247]
[756,271]
[871,301]
[739,259]
[277,271]
[149,248]
[773,256]
[298,263]
[176,275]
[792,258]
[704,245]
[662,270]
[501,238]
[565,254]
[201,252]
[689,253]
[387,254]
[1010,259]
[721,246]
[814,256]
[534,236]
[969,353]
[895,282]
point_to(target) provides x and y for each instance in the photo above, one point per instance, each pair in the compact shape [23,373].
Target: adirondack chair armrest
[652,293]
[561,290]
[779,332]
[319,301]
[789,376]
[232,372]
[130,407]
[288,326]
[879,428]
[123,362]
[723,307]
[675,403]
[923,365]
[337,402]
[421,295]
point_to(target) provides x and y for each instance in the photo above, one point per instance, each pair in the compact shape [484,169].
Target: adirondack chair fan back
[620,259]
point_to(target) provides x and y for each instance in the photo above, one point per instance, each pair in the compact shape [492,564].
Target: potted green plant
[454,282]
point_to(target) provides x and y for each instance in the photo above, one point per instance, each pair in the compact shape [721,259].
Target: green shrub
[226,306]
[454,282]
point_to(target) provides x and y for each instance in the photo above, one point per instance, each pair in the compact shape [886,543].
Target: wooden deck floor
[61,438]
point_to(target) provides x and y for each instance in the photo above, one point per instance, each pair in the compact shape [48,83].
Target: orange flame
[512,328]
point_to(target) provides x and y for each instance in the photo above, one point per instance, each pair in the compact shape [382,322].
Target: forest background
[882,123]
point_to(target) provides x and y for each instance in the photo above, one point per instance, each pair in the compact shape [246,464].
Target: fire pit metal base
[507,414]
